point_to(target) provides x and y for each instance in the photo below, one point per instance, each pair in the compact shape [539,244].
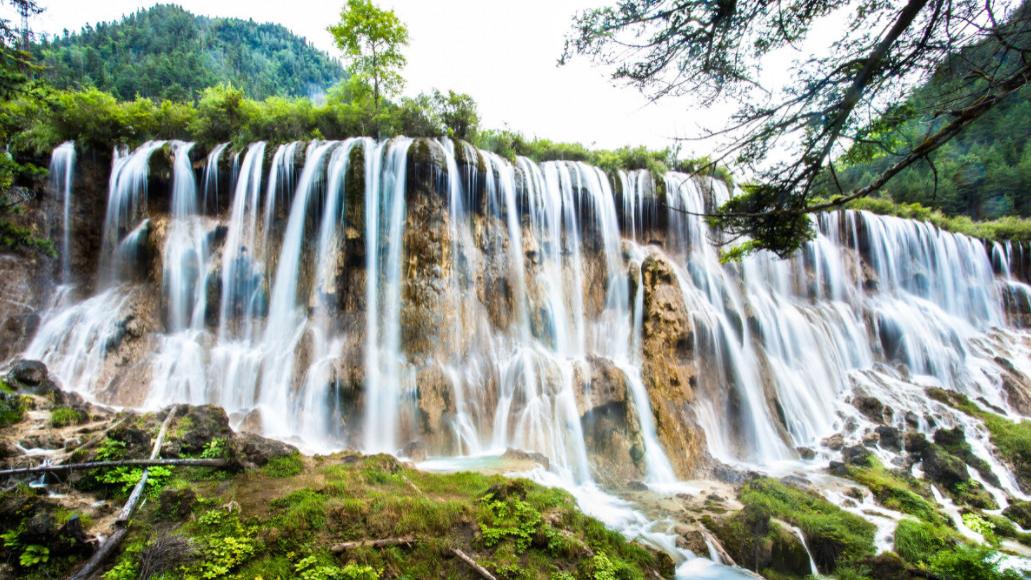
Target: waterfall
[387,375]
[62,177]
[293,305]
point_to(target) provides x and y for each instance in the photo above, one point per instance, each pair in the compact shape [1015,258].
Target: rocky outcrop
[610,423]
[669,365]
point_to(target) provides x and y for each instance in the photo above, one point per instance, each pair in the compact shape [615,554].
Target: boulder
[889,438]
[872,408]
[28,374]
[257,450]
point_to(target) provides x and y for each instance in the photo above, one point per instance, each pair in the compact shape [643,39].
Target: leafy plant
[34,555]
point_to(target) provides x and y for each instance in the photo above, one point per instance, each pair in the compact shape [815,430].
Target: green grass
[286,466]
[264,523]
[916,540]
[65,416]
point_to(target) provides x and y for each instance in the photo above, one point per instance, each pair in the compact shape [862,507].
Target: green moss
[1011,439]
[65,416]
[916,541]
[837,539]
[286,466]
[897,491]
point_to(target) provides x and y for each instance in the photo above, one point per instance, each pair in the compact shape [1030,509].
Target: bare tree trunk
[122,523]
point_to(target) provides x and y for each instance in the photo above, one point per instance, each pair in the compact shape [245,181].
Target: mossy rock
[1019,512]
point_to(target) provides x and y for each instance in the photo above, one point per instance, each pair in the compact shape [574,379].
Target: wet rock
[871,408]
[912,419]
[28,373]
[436,406]
[944,468]
[609,423]
[42,441]
[834,442]
[838,468]
[254,449]
[526,456]
[916,443]
[889,438]
[251,422]
[22,287]
[415,451]
[196,426]
[637,486]
[806,452]
[871,438]
[857,455]
[8,450]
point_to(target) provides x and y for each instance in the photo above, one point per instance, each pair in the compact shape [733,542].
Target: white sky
[504,54]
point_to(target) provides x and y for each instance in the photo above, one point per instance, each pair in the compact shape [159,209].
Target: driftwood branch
[60,468]
[480,570]
[122,523]
[386,542]
[407,541]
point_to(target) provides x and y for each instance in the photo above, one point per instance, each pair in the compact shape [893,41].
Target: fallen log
[122,523]
[480,570]
[386,542]
[62,467]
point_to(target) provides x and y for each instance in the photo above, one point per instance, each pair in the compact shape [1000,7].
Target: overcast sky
[504,54]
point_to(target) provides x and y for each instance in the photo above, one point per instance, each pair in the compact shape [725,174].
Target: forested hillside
[984,172]
[167,52]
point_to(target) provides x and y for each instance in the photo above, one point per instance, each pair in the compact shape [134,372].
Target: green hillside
[984,172]
[167,52]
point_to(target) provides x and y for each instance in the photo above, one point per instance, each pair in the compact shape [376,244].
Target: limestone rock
[669,371]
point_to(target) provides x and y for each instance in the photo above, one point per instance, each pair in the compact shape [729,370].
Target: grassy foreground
[278,514]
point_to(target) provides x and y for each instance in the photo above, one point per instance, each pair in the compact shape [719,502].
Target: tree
[372,40]
[715,50]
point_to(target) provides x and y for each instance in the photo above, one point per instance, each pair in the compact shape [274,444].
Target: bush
[917,541]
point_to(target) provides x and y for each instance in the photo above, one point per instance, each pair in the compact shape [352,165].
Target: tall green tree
[372,39]
[716,49]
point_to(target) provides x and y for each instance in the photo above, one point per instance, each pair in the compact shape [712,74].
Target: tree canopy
[372,39]
[716,50]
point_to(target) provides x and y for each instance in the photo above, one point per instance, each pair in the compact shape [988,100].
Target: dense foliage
[166,52]
[984,172]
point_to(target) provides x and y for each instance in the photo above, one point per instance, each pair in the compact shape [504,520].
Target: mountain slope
[984,172]
[167,52]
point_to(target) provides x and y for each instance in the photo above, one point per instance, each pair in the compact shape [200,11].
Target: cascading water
[62,177]
[297,308]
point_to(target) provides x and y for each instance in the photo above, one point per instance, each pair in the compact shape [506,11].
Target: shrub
[65,416]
